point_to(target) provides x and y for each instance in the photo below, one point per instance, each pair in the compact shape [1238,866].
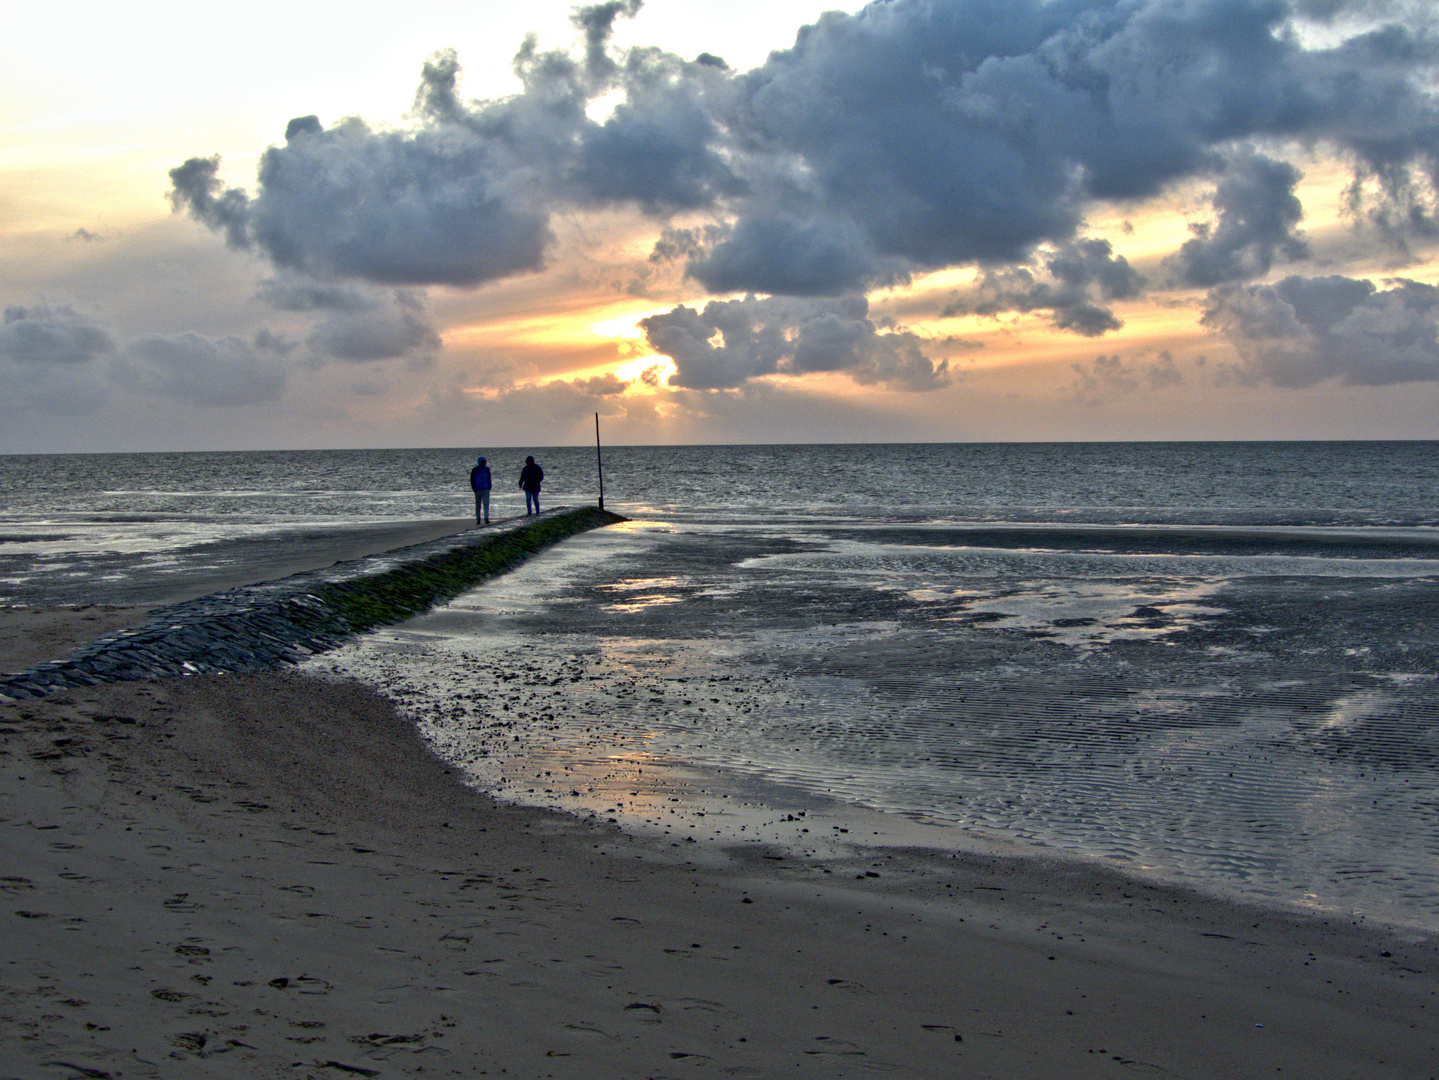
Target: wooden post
[599,462]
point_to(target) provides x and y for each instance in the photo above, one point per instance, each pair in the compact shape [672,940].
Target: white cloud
[728,343]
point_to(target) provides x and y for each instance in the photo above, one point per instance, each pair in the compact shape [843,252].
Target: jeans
[482,507]
[532,502]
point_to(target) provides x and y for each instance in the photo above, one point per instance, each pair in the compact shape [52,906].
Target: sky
[309,225]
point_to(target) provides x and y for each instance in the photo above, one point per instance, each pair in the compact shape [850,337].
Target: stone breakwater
[285,621]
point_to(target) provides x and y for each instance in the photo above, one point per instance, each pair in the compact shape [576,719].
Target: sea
[1213,663]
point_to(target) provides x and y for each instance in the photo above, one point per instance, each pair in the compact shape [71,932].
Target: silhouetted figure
[480,484]
[530,477]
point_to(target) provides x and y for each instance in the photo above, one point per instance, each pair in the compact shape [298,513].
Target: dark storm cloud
[1258,215]
[1080,279]
[465,198]
[913,135]
[196,186]
[437,207]
[1302,331]
[597,21]
[655,149]
[943,133]
[303,125]
[730,342]
[787,255]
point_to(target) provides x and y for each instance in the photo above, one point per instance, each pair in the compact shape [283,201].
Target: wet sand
[150,579]
[31,635]
[272,876]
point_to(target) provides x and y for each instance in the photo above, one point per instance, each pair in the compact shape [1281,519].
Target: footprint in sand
[191,1041]
[302,984]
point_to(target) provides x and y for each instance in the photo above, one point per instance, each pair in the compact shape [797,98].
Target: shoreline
[34,634]
[209,565]
[726,811]
[272,871]
[255,627]
[709,808]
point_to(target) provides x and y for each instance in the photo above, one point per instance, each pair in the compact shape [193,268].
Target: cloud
[1105,377]
[1079,275]
[298,292]
[49,362]
[1109,377]
[392,326]
[786,254]
[728,343]
[930,134]
[1258,212]
[660,147]
[465,197]
[197,370]
[557,405]
[387,334]
[597,21]
[1163,373]
[436,207]
[42,335]
[909,136]
[196,186]
[356,322]
[51,392]
[1303,331]
[606,385]
[54,360]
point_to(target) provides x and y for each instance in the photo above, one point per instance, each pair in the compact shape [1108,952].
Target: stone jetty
[285,621]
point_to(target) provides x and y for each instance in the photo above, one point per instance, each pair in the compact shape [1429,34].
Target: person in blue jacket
[530,477]
[480,485]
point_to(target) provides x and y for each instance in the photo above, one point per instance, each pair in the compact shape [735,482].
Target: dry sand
[270,876]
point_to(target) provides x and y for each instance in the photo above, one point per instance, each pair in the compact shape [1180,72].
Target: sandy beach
[271,875]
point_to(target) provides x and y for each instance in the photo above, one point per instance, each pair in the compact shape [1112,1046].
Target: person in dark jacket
[530,477]
[480,484]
